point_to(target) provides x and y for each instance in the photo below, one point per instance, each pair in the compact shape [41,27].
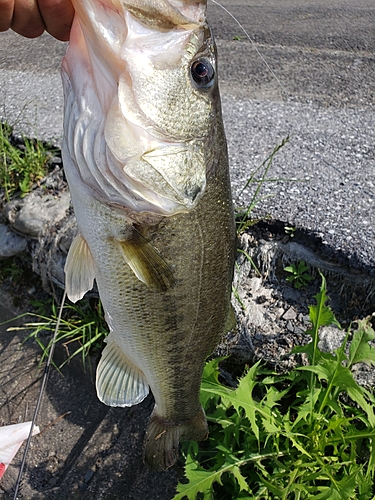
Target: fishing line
[252,43]
[38,403]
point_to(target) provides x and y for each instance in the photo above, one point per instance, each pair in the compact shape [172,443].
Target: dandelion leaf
[202,481]
[242,398]
[360,351]
[343,489]
[236,471]
[211,387]
[337,375]
[321,314]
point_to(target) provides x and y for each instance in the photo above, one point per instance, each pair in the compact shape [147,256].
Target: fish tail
[163,437]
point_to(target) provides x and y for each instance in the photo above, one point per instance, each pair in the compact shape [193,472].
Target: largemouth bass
[146,160]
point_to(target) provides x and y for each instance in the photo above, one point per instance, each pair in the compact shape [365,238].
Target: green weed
[20,167]
[290,231]
[298,274]
[305,434]
[11,269]
[243,219]
[258,177]
[82,328]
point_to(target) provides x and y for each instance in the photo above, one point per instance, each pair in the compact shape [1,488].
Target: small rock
[279,311]
[306,320]
[88,476]
[10,243]
[298,330]
[331,338]
[32,215]
[56,160]
[289,314]
[290,326]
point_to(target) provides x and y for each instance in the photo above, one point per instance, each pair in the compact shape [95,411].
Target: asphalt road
[318,87]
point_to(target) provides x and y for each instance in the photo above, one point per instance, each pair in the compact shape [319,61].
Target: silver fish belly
[146,160]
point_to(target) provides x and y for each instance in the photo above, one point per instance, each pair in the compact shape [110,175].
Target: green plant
[20,167]
[290,230]
[82,326]
[243,220]
[305,434]
[298,274]
[11,269]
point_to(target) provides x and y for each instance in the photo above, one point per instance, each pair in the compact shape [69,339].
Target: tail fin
[163,438]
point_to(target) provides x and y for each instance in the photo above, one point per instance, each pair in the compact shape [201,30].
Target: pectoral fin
[146,262]
[79,269]
[118,381]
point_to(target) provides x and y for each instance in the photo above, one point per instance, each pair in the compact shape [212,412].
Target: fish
[146,160]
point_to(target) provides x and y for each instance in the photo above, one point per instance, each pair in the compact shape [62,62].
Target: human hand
[30,18]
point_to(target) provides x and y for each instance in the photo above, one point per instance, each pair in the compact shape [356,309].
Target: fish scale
[160,245]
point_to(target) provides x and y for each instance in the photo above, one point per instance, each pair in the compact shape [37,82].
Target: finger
[58,17]
[27,20]
[6,14]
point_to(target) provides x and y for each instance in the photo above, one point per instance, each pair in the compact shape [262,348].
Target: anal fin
[79,269]
[118,381]
[146,262]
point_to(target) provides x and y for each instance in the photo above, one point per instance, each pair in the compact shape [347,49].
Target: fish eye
[203,73]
